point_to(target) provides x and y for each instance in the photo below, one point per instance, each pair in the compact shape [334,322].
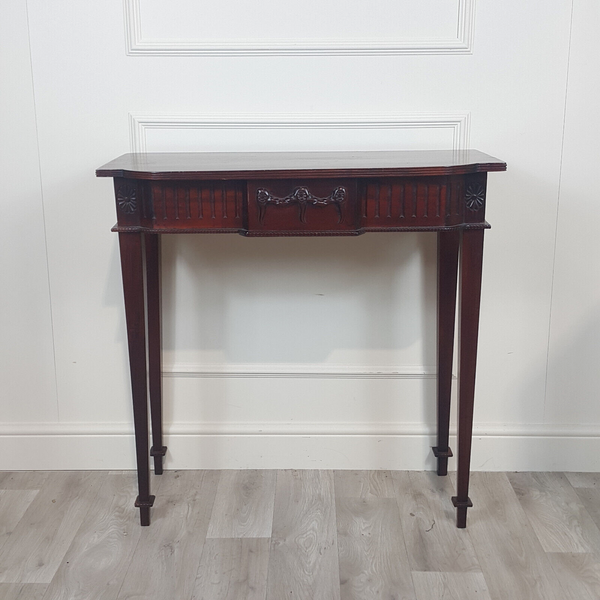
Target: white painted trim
[459,123]
[137,45]
[402,452]
[296,371]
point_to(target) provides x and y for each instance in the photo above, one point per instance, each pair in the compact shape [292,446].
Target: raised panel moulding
[300,428]
[457,123]
[137,44]
[297,370]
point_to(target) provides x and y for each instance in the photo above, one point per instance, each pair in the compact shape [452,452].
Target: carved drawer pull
[303,198]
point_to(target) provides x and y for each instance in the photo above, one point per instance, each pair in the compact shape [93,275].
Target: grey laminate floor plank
[429,524]
[510,555]
[22,591]
[585,480]
[243,505]
[372,555]
[579,574]
[304,554]
[334,536]
[13,504]
[233,569]
[364,484]
[97,561]
[558,517]
[590,498]
[37,545]
[450,586]
[168,553]
[23,480]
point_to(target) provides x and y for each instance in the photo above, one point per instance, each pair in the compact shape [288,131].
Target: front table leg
[158,451]
[448,242]
[471,260]
[132,268]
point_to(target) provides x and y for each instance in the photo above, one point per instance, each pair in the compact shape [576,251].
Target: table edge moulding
[260,194]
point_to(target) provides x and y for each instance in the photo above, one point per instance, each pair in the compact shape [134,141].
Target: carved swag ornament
[303,198]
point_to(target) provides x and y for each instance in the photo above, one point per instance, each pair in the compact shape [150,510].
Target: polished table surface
[303,194]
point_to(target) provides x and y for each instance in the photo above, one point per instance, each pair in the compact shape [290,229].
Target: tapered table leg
[448,242]
[471,260]
[153,293]
[132,268]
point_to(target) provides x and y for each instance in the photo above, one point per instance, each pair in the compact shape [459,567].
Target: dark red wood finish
[448,246]
[305,194]
[153,297]
[132,267]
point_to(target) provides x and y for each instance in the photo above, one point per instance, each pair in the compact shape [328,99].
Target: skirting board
[115,451]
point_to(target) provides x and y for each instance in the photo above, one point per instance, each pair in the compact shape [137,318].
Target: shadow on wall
[299,299]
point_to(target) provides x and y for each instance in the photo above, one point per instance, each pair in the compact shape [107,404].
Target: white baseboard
[81,446]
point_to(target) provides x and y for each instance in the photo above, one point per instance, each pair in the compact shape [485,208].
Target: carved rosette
[474,196]
[127,199]
[303,197]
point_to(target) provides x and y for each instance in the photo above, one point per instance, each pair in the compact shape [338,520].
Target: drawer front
[302,206]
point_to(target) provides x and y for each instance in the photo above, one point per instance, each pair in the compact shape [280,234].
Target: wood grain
[222,165]
[13,504]
[23,480]
[434,542]
[364,484]
[372,556]
[590,499]
[166,561]
[579,575]
[233,569]
[511,557]
[304,553]
[36,547]
[334,536]
[558,517]
[95,565]
[450,586]
[584,480]
[22,591]
[243,505]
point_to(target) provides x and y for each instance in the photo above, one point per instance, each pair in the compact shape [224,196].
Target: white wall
[261,369]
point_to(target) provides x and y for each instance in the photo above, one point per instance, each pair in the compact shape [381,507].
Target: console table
[303,194]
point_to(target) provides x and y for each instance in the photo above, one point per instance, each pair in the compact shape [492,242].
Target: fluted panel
[215,204]
[417,202]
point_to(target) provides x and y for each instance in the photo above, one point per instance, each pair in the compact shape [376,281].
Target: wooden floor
[224,535]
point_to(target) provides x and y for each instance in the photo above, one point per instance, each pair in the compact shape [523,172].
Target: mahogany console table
[303,194]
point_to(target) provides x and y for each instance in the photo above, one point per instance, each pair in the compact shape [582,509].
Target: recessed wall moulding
[320,28]
[226,132]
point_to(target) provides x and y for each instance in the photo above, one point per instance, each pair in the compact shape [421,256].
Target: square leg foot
[461,511]
[442,456]
[145,506]
[158,452]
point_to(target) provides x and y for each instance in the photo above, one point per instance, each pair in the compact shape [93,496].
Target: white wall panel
[573,384]
[79,75]
[26,351]
[518,115]
[111,75]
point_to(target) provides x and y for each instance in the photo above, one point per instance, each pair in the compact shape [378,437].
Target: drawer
[302,206]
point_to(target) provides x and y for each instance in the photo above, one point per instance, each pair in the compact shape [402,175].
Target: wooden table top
[259,165]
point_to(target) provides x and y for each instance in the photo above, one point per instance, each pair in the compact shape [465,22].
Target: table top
[277,165]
